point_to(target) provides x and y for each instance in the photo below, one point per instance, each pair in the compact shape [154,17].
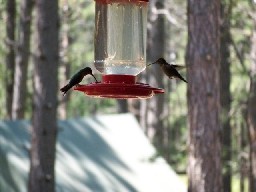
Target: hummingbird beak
[151,63]
[95,78]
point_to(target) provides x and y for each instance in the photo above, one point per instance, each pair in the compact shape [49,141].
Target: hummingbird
[169,69]
[77,78]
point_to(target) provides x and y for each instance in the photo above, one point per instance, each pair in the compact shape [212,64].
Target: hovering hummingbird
[169,69]
[77,78]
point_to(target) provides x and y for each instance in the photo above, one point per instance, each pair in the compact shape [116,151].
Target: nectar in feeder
[122,28]
[120,50]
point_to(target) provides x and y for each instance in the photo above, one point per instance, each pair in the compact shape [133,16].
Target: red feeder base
[119,87]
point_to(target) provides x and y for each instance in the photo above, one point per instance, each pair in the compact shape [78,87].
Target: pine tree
[203,58]
[44,122]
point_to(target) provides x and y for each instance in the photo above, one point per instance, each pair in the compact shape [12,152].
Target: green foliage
[2,59]
[241,27]
[178,126]
[80,24]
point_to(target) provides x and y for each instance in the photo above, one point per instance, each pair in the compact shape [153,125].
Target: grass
[235,183]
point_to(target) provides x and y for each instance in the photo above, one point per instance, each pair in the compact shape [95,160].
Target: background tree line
[45,42]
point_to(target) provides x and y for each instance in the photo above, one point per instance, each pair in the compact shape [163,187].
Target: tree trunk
[242,145]
[156,47]
[142,106]
[65,65]
[204,96]
[122,106]
[22,59]
[44,123]
[252,112]
[225,95]
[63,104]
[10,55]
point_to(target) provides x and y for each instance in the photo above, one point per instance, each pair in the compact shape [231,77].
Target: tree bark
[204,96]
[225,95]
[44,123]
[252,112]
[10,55]
[22,59]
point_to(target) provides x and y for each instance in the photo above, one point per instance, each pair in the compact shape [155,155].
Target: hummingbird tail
[183,79]
[65,89]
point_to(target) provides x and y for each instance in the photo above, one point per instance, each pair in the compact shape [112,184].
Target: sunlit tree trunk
[142,106]
[252,112]
[44,123]
[243,142]
[156,47]
[65,66]
[63,104]
[10,55]
[122,106]
[225,95]
[22,59]
[204,96]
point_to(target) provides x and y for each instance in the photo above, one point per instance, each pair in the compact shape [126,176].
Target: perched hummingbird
[77,78]
[170,70]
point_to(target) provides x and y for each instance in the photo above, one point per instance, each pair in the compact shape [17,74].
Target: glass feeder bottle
[120,36]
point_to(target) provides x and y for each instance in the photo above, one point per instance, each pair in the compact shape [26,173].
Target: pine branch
[239,57]
[169,17]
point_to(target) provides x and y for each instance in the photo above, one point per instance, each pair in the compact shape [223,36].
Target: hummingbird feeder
[120,50]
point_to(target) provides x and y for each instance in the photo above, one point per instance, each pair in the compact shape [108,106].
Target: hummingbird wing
[171,72]
[179,67]
[76,79]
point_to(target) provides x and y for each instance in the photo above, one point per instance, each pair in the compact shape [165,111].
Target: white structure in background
[99,154]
